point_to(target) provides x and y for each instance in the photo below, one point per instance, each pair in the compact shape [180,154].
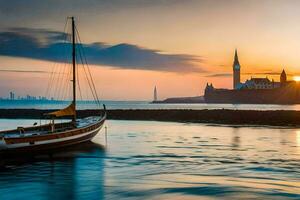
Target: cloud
[271,74]
[23,71]
[220,75]
[264,73]
[48,45]
[267,73]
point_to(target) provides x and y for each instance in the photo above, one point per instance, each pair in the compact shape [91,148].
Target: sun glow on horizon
[296,78]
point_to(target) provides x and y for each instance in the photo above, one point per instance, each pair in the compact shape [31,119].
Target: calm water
[144,105]
[160,160]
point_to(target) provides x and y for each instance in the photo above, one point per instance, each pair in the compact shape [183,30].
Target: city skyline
[182,54]
[13,96]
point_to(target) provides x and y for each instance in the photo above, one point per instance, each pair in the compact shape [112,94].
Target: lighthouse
[155,94]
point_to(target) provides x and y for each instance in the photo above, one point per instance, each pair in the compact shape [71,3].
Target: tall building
[236,71]
[155,94]
[282,77]
[11,96]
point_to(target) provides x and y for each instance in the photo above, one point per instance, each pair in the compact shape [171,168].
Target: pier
[217,116]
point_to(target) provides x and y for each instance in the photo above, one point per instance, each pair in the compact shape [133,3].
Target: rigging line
[89,93]
[53,77]
[57,83]
[88,67]
[70,85]
[64,80]
[67,88]
[50,79]
[90,80]
[79,89]
[61,72]
[53,84]
[67,85]
[68,81]
[93,84]
[77,74]
[52,74]
[62,83]
[80,55]
[85,93]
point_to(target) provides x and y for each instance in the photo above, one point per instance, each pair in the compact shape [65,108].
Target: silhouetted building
[283,79]
[236,71]
[260,83]
[255,90]
[209,88]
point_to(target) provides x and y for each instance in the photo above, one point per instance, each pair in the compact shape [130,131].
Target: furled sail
[68,111]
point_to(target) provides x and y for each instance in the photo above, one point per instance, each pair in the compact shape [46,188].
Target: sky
[133,45]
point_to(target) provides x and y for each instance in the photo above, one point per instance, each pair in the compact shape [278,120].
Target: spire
[236,71]
[236,59]
[283,76]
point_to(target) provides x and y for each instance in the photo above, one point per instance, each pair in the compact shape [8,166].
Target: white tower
[155,94]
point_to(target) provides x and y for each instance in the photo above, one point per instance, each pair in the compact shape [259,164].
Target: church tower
[282,78]
[236,71]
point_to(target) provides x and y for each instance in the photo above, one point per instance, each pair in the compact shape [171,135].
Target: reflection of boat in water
[76,172]
[55,135]
[65,153]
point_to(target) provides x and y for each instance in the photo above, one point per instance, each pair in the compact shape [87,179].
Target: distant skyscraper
[236,71]
[11,96]
[155,94]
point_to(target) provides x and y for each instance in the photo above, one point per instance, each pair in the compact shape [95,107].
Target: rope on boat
[82,54]
[58,85]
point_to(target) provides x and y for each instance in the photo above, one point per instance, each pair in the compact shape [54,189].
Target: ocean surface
[162,160]
[142,105]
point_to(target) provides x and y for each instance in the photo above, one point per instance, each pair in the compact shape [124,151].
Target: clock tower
[236,71]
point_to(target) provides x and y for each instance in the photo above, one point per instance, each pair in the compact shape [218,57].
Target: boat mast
[74,68]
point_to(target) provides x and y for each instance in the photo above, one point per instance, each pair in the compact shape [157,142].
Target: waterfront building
[255,90]
[253,83]
[264,83]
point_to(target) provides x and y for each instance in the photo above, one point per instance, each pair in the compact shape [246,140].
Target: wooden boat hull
[46,143]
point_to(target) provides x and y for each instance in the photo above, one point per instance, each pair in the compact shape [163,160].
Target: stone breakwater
[218,116]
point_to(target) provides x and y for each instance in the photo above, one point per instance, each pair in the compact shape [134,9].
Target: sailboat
[53,135]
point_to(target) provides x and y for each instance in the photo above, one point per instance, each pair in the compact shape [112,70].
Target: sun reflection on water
[298,140]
